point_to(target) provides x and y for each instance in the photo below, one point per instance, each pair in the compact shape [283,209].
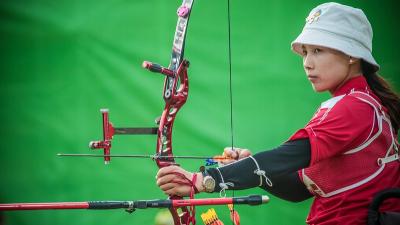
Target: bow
[175,94]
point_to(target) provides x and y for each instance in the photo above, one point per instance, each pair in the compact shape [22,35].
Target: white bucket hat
[339,27]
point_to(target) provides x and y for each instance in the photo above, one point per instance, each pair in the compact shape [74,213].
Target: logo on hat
[314,17]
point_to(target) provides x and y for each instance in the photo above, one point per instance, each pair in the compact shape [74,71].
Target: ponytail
[381,88]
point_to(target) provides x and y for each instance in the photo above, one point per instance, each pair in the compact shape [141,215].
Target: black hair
[381,88]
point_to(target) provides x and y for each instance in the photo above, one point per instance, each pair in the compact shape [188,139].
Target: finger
[164,179]
[226,161]
[230,152]
[244,153]
[175,188]
[179,191]
[168,186]
[169,178]
[166,170]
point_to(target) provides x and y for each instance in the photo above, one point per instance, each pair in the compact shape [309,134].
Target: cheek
[334,70]
[331,75]
[330,81]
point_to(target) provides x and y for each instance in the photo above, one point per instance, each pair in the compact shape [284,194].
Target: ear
[353,60]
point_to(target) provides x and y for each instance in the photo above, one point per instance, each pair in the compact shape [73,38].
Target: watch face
[209,183]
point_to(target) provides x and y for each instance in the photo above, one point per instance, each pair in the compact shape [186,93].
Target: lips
[312,78]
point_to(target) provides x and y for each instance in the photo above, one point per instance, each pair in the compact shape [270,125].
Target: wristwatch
[208,182]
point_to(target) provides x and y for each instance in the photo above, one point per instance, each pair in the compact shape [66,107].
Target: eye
[317,50]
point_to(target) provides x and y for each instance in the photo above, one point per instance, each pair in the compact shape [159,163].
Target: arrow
[145,156]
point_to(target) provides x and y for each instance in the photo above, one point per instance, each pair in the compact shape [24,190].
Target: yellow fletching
[209,217]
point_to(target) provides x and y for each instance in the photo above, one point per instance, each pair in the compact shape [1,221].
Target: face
[326,69]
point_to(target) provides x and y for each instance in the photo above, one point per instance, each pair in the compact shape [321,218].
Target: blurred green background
[61,61]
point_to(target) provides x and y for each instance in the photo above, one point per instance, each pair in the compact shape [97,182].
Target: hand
[171,180]
[234,154]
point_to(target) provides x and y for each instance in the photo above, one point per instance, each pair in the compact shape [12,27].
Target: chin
[316,88]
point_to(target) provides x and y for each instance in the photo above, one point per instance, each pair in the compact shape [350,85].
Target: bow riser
[173,105]
[164,141]
[175,97]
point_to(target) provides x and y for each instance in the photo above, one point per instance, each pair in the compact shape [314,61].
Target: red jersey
[346,136]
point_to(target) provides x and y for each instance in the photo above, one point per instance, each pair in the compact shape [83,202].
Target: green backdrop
[61,61]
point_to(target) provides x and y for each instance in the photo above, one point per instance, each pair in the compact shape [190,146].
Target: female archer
[346,153]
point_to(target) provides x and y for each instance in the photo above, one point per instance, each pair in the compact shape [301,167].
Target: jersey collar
[357,83]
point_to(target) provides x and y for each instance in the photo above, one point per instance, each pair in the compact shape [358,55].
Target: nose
[307,62]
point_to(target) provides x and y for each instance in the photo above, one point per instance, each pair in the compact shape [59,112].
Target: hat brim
[326,39]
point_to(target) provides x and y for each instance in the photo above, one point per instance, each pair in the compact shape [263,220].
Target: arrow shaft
[144,156]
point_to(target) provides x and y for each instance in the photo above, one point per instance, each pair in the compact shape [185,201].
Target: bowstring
[230,93]
[230,72]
